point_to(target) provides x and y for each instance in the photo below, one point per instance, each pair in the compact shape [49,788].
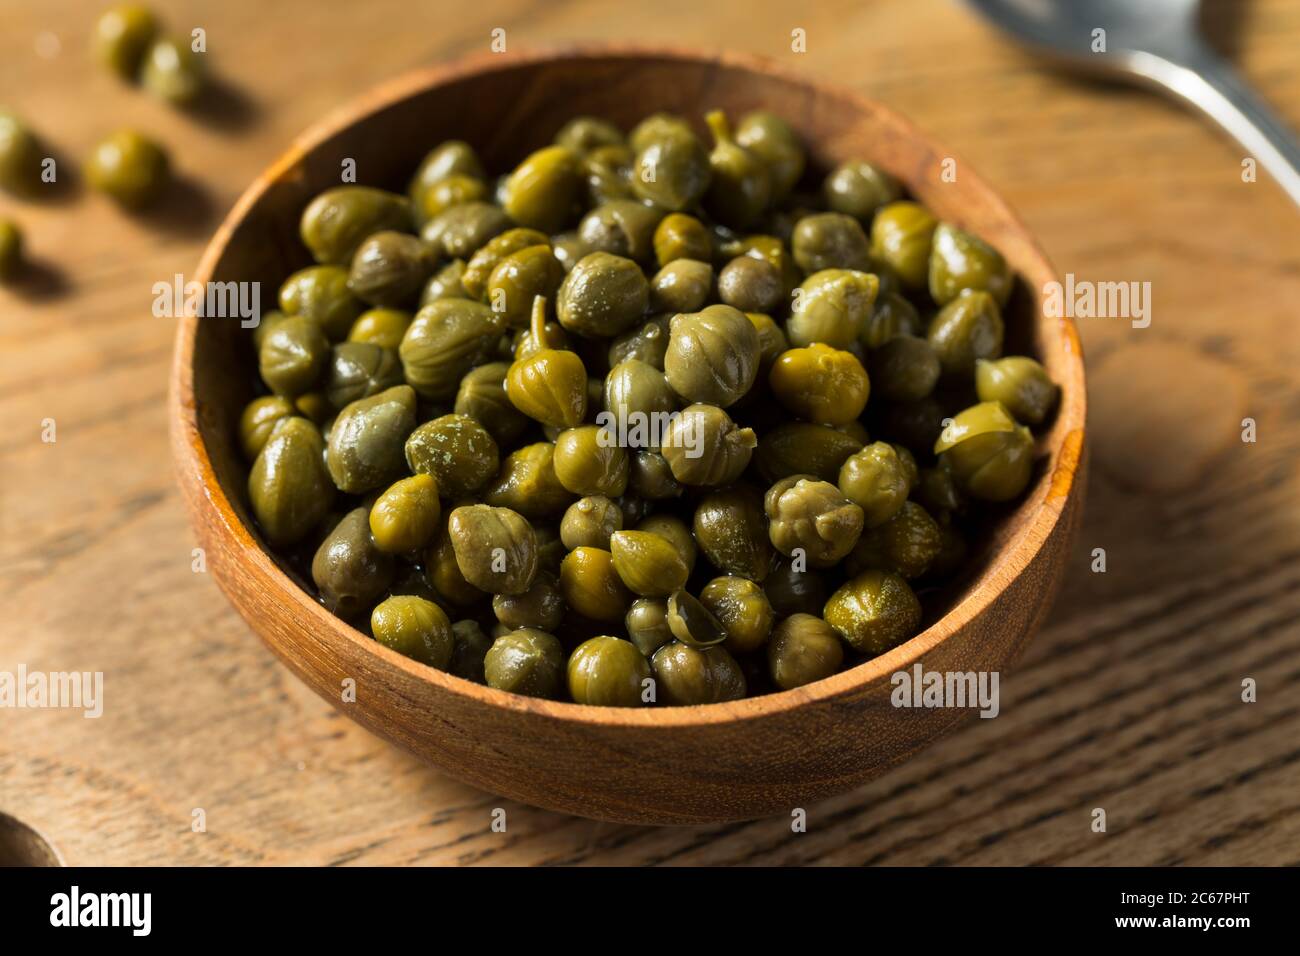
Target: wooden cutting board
[1130,700]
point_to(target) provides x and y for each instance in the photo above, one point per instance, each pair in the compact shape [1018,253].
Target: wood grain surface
[1129,700]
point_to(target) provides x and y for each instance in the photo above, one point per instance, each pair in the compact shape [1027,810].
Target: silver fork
[1157,42]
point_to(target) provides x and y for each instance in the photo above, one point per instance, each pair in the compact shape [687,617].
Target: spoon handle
[1205,81]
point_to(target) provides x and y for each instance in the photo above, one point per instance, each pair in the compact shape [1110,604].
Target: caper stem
[718,126]
[538,322]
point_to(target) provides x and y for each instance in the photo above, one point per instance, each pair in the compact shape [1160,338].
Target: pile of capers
[644,421]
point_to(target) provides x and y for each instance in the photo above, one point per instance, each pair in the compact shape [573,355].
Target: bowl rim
[191,455]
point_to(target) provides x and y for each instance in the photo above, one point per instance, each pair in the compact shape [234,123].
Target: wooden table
[1129,700]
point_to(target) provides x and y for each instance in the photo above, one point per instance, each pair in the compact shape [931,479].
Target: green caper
[811,516]
[651,477]
[350,573]
[451,158]
[906,543]
[874,611]
[446,339]
[892,316]
[415,627]
[647,343]
[633,386]
[526,661]
[621,227]
[603,295]
[904,369]
[679,236]
[691,622]
[712,355]
[902,234]
[122,34]
[688,676]
[608,672]
[731,529]
[128,167]
[321,293]
[389,268]
[383,327]
[527,483]
[740,185]
[293,357]
[742,609]
[803,649]
[990,456]
[830,307]
[683,285]
[792,588]
[858,189]
[671,170]
[359,370]
[461,230]
[258,420]
[750,284]
[960,261]
[582,134]
[588,461]
[469,651]
[367,439]
[648,564]
[876,480]
[478,270]
[830,240]
[1020,384]
[591,586]
[173,71]
[495,548]
[482,397]
[646,624]
[407,515]
[456,450]
[966,329]
[547,384]
[541,606]
[288,487]
[772,140]
[337,221]
[704,447]
[589,522]
[802,448]
[519,278]
[541,192]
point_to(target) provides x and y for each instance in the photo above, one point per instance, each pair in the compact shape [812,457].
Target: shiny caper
[525,661]
[415,627]
[337,221]
[803,649]
[456,450]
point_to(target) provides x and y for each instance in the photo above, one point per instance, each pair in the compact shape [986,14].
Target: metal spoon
[1158,43]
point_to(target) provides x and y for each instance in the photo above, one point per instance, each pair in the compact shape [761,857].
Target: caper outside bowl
[686,765]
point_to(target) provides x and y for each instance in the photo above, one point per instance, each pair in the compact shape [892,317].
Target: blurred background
[1130,698]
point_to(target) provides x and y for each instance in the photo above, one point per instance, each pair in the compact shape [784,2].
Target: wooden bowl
[754,757]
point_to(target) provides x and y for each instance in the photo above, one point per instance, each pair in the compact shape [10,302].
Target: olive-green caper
[902,234]
[548,384]
[407,515]
[367,439]
[821,384]
[122,34]
[359,370]
[691,622]
[451,158]
[960,261]
[740,185]
[741,608]
[321,293]
[621,227]
[679,236]
[650,477]
[445,575]
[478,270]
[446,339]
[830,307]
[773,141]
[469,651]
[750,284]
[589,461]
[293,356]
[582,134]
[455,189]
[608,671]
[456,450]
[876,480]
[731,529]
[258,420]
[461,230]
[129,168]
[519,278]
[633,386]
[874,611]
[803,649]
[389,268]
[383,327]
[802,448]
[813,516]
[990,456]
[646,624]
[1020,383]
[495,548]
[338,220]
[906,543]
[482,397]
[20,155]
[415,627]
[173,71]
[541,606]
[589,522]
[966,329]
[672,169]
[647,343]
[892,316]
[648,564]
[350,573]
[591,586]
[792,588]
[830,240]
[526,661]
[704,447]
[904,369]
[602,296]
[542,190]
[683,285]
[288,487]
[687,676]
[527,483]
[858,189]
[712,355]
